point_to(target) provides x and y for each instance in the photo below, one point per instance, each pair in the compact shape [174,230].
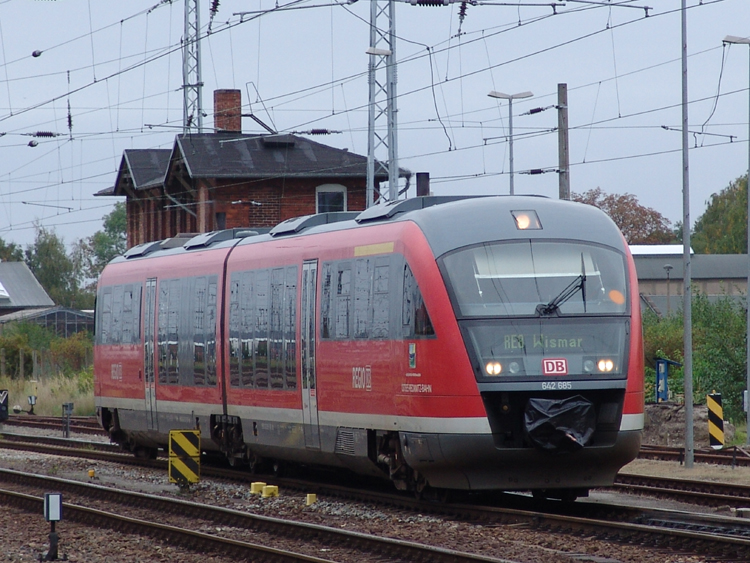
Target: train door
[308,323]
[148,354]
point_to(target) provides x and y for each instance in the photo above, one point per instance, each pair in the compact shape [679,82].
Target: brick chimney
[228,110]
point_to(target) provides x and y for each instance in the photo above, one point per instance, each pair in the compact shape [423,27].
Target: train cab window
[537,278]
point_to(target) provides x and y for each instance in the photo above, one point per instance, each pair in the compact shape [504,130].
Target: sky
[96,77]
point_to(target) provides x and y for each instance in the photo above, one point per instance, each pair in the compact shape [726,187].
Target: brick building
[227,179]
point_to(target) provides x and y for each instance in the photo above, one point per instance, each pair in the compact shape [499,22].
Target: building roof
[657,249]
[234,155]
[142,168]
[703,266]
[19,289]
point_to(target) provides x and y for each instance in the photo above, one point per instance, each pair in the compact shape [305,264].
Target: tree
[719,352]
[55,270]
[639,224]
[722,229]
[93,253]
[10,252]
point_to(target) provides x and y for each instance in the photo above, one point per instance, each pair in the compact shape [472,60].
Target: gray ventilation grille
[345,442]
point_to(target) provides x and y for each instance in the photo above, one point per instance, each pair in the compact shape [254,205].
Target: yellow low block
[270,491]
[312,498]
[257,487]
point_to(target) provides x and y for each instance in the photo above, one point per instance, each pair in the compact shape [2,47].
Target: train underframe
[424,463]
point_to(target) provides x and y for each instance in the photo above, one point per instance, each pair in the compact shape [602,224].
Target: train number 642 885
[553,385]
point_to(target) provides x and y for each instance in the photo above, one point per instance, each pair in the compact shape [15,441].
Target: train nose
[560,425]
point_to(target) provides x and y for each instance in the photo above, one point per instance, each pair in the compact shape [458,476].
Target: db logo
[555,366]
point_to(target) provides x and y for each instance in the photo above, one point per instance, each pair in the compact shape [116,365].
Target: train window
[261,329]
[234,331]
[247,327]
[343,299]
[210,332]
[276,336]
[414,317]
[537,278]
[355,300]
[173,332]
[381,310]
[118,314]
[290,322]
[363,269]
[105,334]
[162,335]
[117,302]
[326,313]
[199,337]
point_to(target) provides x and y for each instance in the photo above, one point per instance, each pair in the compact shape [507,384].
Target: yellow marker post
[715,421]
[184,456]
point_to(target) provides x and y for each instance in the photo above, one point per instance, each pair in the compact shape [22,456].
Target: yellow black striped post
[184,456]
[715,421]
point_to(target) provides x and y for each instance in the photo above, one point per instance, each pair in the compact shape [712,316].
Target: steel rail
[296,531]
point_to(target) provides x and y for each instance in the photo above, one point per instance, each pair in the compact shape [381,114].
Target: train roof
[443,219]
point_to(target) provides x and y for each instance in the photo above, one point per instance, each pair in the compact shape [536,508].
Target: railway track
[180,522]
[722,537]
[733,455]
[78,424]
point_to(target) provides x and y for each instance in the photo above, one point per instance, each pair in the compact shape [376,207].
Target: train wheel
[236,462]
[278,469]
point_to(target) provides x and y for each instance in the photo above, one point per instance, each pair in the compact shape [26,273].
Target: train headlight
[514,368]
[588,366]
[526,220]
[605,365]
[493,368]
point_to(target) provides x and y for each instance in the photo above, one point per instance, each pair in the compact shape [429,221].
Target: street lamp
[510,98]
[732,39]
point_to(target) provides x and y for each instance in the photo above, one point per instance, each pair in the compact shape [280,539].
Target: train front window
[537,279]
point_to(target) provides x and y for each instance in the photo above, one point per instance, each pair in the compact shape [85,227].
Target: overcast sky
[118,66]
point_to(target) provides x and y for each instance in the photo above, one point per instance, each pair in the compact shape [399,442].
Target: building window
[330,197]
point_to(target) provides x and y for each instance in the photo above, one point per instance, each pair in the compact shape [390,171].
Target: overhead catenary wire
[353,109]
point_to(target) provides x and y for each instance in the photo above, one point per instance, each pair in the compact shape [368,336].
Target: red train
[445,342]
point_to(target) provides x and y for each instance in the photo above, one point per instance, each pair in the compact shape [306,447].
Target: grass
[51,393]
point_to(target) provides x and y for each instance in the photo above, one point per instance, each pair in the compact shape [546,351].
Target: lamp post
[510,98]
[734,40]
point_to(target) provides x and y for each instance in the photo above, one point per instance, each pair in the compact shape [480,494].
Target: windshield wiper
[578,284]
